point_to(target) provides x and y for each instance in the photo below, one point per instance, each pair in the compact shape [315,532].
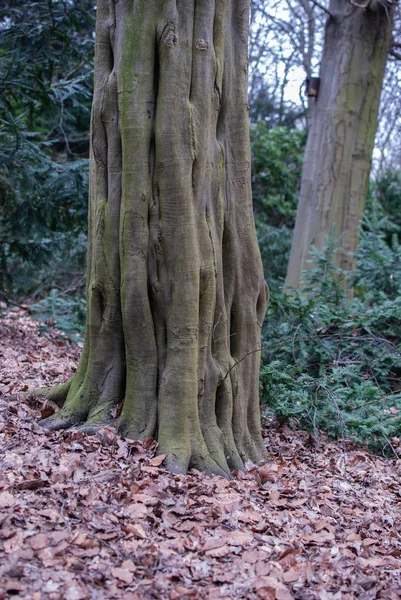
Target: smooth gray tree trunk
[340,143]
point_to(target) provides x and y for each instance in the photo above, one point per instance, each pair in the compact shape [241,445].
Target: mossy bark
[340,143]
[176,294]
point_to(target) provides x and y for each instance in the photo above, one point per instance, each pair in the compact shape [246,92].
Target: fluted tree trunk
[340,143]
[175,294]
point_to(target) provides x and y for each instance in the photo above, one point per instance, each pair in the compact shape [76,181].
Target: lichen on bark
[176,294]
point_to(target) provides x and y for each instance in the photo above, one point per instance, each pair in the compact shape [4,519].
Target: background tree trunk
[176,295]
[339,149]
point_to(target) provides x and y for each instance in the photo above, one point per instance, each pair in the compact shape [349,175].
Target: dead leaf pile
[30,360]
[85,517]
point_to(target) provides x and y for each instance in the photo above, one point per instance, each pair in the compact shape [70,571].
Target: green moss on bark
[175,284]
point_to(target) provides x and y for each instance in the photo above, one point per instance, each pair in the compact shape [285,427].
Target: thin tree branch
[257,349]
[360,4]
[326,10]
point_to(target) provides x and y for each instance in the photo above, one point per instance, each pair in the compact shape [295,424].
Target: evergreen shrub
[333,363]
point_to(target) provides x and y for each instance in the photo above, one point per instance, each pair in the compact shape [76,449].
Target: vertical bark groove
[176,295]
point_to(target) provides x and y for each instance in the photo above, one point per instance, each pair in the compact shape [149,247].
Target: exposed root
[57,394]
[57,421]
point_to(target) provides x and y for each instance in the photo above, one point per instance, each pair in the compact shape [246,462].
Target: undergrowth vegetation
[46,77]
[333,363]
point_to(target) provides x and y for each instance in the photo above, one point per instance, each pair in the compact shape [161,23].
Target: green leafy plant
[277,163]
[46,75]
[64,311]
[332,363]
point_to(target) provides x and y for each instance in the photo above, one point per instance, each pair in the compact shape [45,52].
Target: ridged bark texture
[176,294]
[340,143]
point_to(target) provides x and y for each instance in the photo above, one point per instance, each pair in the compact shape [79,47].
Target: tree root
[57,394]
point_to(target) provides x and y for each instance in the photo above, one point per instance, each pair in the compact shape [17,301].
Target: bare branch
[395,54]
[360,3]
[326,10]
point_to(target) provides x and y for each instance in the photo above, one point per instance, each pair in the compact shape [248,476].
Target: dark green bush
[277,163]
[334,364]
[46,72]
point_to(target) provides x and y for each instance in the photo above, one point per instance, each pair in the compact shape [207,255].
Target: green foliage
[334,364]
[387,193]
[378,273]
[64,311]
[42,214]
[45,93]
[266,108]
[277,164]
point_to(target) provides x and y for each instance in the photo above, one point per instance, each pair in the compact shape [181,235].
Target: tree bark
[340,143]
[175,294]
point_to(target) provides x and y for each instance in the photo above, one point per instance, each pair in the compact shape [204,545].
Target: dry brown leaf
[83,539]
[239,538]
[7,500]
[157,460]
[322,537]
[321,524]
[291,576]
[375,562]
[299,501]
[251,556]
[39,541]
[214,542]
[137,530]
[13,543]
[129,565]
[122,575]
[325,560]
[268,472]
[369,542]
[268,587]
[48,409]
[284,594]
[218,552]
[32,484]
[249,516]
[274,496]
[145,499]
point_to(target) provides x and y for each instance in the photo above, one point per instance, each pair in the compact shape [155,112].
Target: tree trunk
[176,295]
[339,149]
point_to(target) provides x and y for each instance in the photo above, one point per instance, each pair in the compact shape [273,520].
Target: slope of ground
[98,517]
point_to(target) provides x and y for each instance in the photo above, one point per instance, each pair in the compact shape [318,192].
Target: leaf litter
[85,517]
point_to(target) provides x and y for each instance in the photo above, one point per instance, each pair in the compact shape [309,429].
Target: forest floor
[99,517]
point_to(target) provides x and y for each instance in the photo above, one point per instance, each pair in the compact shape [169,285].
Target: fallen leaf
[157,460]
[39,541]
[323,537]
[238,538]
[268,472]
[218,552]
[7,500]
[214,542]
[122,575]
